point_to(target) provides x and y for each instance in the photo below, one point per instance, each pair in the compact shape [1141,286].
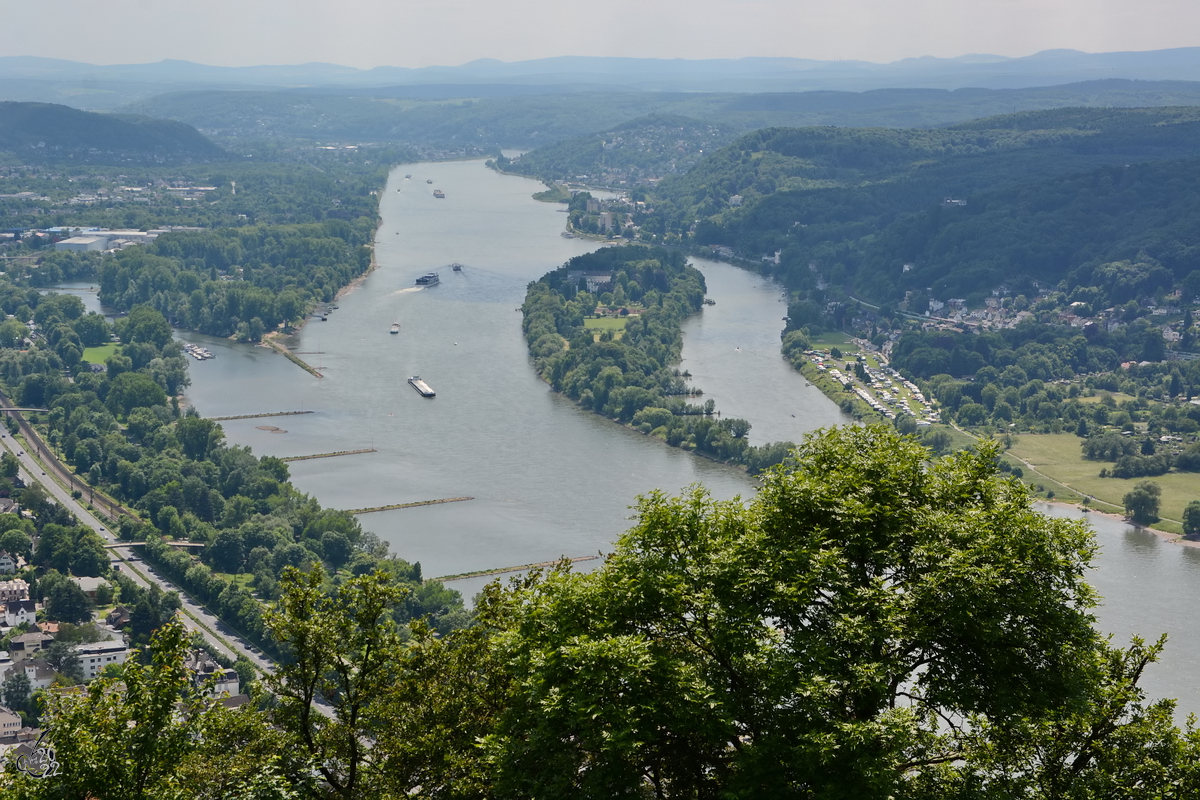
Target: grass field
[1119,397]
[98,355]
[833,339]
[606,323]
[1059,456]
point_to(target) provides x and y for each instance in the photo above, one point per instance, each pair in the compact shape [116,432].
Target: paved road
[196,617]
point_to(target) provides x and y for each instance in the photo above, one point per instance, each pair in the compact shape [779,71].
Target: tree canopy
[870,624]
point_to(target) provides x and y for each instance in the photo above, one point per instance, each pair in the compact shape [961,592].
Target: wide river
[547,478]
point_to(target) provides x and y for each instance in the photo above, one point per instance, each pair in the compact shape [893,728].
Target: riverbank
[1166,536]
[357,282]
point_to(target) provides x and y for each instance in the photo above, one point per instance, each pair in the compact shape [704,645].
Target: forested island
[614,350]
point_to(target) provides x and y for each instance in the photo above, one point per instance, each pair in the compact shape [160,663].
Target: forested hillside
[636,153]
[854,206]
[44,132]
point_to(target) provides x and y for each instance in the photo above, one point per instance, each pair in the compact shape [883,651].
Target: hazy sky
[414,33]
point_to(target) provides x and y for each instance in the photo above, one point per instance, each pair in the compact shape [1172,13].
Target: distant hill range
[526,121]
[49,132]
[92,86]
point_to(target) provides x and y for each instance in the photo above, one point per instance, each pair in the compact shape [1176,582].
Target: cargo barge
[429,279]
[423,388]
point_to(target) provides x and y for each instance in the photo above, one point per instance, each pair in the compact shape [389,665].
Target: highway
[196,617]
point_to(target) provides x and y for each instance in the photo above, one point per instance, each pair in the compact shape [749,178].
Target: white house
[95,657]
[41,675]
[18,612]
[8,564]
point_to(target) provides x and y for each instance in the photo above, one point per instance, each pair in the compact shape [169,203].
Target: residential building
[95,657]
[204,669]
[10,723]
[6,664]
[19,612]
[89,585]
[41,675]
[8,563]
[117,618]
[27,645]
[15,589]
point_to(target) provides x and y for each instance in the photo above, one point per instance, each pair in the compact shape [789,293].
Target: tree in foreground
[868,626]
[154,734]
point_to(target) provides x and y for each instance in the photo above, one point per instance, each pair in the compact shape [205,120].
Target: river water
[547,478]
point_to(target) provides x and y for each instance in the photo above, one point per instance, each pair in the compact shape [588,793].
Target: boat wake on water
[407,290]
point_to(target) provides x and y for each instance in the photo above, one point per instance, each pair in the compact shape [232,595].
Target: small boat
[423,388]
[438,193]
[395,328]
[429,279]
[406,177]
[429,181]
[456,267]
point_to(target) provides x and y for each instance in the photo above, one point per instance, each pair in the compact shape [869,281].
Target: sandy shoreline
[354,284]
[1170,538]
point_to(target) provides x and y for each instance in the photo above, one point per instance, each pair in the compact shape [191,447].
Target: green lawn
[832,339]
[1059,456]
[1119,397]
[606,323]
[98,355]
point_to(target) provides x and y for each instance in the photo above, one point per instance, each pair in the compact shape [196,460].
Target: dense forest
[310,185]
[239,280]
[853,206]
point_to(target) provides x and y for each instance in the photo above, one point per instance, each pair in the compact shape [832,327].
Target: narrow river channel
[547,478]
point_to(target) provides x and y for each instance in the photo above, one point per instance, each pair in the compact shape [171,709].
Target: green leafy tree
[154,735]
[131,390]
[1141,502]
[343,651]
[16,541]
[1111,745]
[812,644]
[1191,518]
[66,602]
[63,658]
[18,692]
[144,325]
